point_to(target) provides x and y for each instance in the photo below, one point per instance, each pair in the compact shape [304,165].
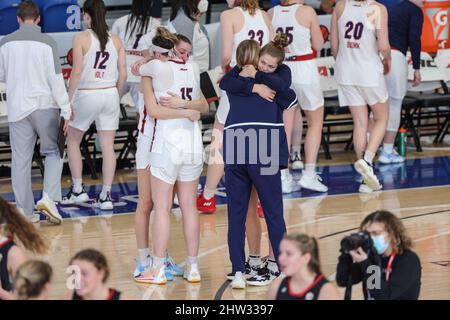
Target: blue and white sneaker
[388,158]
[172,268]
[141,267]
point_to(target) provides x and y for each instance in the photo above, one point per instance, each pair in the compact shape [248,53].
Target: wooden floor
[425,213]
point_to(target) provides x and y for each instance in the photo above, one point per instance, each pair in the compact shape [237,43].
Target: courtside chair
[8,16]
[57,15]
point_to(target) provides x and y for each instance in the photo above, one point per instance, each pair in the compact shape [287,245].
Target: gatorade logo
[439,20]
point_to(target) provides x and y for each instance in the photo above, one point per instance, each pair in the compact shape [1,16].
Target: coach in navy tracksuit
[254,150]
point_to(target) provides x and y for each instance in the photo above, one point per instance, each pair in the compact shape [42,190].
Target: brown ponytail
[164,38]
[307,244]
[248,5]
[15,225]
[97,11]
[276,47]
[30,279]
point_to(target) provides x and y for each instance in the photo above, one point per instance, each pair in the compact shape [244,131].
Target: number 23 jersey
[358,62]
[100,69]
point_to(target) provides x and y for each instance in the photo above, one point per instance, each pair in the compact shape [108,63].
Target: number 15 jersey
[100,69]
[358,62]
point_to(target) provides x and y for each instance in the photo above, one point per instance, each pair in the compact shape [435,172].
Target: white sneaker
[147,277]
[238,281]
[366,170]
[288,184]
[296,162]
[73,197]
[388,158]
[48,208]
[191,273]
[106,203]
[312,183]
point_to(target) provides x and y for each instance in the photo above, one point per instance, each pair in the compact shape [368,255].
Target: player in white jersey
[144,207]
[244,21]
[176,150]
[301,25]
[97,82]
[131,28]
[359,35]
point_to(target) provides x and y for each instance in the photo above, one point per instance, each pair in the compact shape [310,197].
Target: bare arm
[226,27]
[16,257]
[316,33]
[158,112]
[174,101]
[268,20]
[383,37]
[121,65]
[77,68]
[334,32]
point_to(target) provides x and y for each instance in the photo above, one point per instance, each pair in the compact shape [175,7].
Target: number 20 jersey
[100,69]
[358,62]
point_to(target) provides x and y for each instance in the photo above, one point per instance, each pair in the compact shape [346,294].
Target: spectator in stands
[185,20]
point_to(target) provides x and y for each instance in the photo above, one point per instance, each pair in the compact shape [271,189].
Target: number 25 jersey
[100,69]
[358,62]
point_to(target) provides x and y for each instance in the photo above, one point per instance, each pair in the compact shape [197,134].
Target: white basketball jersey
[358,61]
[182,134]
[255,28]
[132,42]
[285,20]
[100,69]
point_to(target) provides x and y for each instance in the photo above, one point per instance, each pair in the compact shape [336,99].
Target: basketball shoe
[206,206]
[142,267]
[264,277]
[172,268]
[191,273]
[238,281]
[48,208]
[104,203]
[250,271]
[147,277]
[388,158]
[288,184]
[312,183]
[366,170]
[73,197]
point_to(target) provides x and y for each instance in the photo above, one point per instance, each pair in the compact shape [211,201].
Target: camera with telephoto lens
[355,240]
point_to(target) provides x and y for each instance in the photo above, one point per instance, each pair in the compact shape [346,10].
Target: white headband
[159,49]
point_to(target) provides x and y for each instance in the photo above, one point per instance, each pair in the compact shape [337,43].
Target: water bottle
[402,135]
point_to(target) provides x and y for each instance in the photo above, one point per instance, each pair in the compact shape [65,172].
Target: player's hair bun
[280,41]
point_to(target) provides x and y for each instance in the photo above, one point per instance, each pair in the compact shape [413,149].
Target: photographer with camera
[380,256]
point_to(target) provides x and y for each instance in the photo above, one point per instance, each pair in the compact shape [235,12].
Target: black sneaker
[264,277]
[250,271]
[106,203]
[75,197]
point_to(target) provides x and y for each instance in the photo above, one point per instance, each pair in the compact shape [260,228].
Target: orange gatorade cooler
[435,32]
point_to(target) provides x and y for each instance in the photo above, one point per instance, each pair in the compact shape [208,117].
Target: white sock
[104,192]
[143,255]
[208,193]
[388,147]
[310,169]
[77,185]
[254,260]
[368,156]
[272,265]
[191,260]
[158,262]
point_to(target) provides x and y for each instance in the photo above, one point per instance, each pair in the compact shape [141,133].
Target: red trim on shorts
[143,120]
[300,295]
[153,136]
